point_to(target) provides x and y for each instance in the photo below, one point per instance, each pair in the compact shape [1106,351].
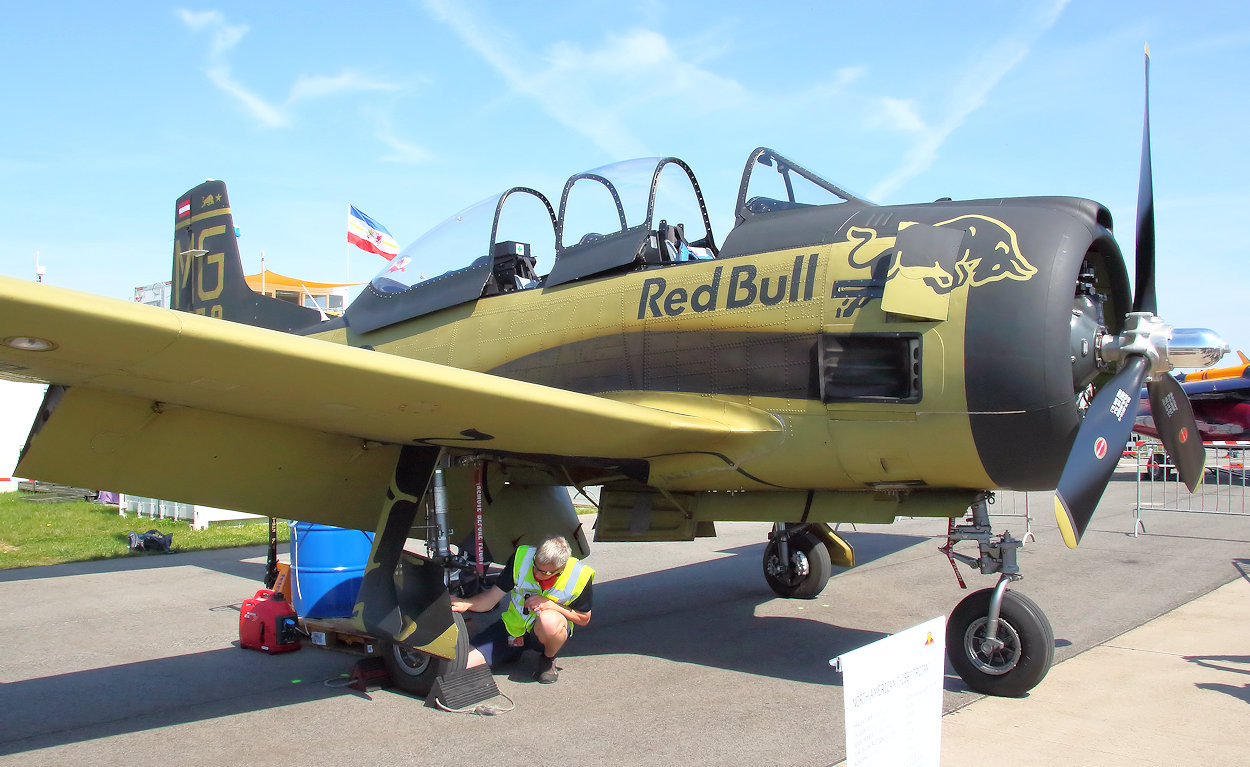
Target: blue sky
[412,111]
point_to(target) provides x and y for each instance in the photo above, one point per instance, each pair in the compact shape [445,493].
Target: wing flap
[89,438]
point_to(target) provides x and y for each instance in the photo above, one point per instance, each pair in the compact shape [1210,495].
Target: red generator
[267,622]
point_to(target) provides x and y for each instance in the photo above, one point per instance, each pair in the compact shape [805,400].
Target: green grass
[44,533]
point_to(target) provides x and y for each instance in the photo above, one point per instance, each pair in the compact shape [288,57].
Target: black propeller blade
[1174,420]
[1144,290]
[1098,447]
[1109,421]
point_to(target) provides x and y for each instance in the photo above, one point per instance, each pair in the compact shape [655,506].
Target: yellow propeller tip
[1066,527]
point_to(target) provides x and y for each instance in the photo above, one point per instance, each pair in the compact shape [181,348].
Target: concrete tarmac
[689,659]
[1175,691]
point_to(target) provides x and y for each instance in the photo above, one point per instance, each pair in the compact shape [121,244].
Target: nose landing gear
[998,641]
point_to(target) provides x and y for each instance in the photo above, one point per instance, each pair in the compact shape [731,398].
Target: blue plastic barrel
[327,566]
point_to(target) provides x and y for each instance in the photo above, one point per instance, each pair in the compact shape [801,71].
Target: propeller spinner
[1146,350]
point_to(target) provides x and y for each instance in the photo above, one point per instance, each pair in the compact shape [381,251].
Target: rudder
[208,269]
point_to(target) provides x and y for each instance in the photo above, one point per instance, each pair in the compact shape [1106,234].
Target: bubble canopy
[527,217]
[636,214]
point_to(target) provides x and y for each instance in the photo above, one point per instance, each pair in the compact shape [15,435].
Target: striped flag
[369,235]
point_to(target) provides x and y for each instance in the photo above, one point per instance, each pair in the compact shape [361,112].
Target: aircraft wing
[185,407]
[1229,389]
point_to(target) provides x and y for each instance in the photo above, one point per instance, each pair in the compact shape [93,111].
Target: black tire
[414,671]
[804,548]
[1158,467]
[1024,660]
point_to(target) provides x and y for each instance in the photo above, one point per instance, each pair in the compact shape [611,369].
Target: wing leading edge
[143,363]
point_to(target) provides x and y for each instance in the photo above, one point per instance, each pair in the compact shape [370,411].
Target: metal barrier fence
[198,516]
[1223,489]
[1014,503]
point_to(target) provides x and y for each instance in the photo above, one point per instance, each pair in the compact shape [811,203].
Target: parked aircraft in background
[1221,405]
[1232,371]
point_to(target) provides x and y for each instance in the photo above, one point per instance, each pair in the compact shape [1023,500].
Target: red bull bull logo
[987,252]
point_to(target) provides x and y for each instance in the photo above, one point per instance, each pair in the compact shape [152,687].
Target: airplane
[1239,370]
[1220,398]
[1221,408]
[829,360]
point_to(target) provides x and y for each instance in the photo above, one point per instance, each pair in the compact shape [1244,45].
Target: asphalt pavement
[689,658]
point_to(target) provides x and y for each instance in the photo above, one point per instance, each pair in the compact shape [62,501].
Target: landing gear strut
[998,641]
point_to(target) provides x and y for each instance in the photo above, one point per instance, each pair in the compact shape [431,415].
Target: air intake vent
[869,368]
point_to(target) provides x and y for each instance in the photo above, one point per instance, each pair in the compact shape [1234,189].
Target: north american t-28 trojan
[830,360]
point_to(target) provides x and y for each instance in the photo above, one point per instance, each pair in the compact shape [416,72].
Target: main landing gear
[797,564]
[415,672]
[998,641]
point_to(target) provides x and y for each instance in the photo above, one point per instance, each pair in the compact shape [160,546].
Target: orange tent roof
[273,280]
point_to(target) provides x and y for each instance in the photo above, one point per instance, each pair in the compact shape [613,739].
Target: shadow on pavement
[712,613]
[709,614]
[227,561]
[133,697]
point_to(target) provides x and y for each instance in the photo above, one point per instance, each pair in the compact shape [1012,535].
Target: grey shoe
[547,672]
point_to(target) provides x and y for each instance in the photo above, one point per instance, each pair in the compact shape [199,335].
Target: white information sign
[892,693]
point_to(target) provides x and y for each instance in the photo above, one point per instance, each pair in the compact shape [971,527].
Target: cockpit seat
[666,245]
[673,242]
[512,268]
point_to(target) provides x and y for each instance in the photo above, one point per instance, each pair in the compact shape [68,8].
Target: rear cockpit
[617,218]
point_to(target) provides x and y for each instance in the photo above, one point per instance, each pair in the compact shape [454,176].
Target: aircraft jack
[461,689]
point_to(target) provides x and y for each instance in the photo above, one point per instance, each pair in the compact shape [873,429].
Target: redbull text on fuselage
[741,287]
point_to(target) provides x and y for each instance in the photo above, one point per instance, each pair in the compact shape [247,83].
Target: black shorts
[492,641]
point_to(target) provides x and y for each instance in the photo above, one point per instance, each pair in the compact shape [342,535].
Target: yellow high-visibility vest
[567,588]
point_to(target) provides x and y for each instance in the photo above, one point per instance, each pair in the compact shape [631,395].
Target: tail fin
[208,271]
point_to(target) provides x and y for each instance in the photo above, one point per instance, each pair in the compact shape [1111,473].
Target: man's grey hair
[553,552]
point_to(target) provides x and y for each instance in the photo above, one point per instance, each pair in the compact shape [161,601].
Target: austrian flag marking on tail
[184,207]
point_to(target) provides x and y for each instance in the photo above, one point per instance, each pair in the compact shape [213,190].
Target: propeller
[1142,350]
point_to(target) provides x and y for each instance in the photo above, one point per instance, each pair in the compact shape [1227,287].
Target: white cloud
[268,113]
[969,93]
[642,67]
[319,86]
[571,84]
[224,35]
[402,152]
[898,115]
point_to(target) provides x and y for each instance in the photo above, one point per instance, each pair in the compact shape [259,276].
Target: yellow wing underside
[185,407]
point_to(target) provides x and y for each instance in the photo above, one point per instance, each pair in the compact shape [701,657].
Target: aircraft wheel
[1023,660]
[805,575]
[414,671]
[1159,469]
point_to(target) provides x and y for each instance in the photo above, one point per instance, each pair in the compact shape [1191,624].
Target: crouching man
[548,594]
